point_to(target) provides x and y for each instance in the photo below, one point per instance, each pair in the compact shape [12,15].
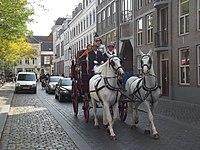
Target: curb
[4,112]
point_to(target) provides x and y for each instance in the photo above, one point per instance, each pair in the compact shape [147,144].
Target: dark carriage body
[80,83]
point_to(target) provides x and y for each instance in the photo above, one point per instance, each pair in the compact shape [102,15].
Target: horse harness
[148,90]
[107,84]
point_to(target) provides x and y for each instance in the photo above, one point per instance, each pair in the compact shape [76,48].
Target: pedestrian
[94,55]
[109,52]
[100,46]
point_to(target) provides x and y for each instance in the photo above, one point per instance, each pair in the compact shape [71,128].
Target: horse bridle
[150,62]
[112,64]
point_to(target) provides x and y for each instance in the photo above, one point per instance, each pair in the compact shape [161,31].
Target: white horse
[104,88]
[145,89]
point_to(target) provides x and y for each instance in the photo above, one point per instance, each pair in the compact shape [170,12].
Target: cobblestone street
[31,126]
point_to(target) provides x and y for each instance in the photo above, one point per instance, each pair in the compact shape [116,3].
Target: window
[139,68]
[139,31]
[94,16]
[198,61]
[183,16]
[87,24]
[27,61]
[149,28]
[148,1]
[86,3]
[126,8]
[104,15]
[84,24]
[108,11]
[62,48]
[198,15]
[139,4]
[47,60]
[114,7]
[99,18]
[34,61]
[184,70]
[90,18]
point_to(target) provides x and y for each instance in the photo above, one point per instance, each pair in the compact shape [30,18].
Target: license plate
[26,88]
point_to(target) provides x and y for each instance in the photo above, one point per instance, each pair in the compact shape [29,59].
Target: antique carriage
[80,84]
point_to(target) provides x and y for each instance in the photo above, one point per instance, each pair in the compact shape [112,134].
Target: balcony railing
[160,3]
[161,39]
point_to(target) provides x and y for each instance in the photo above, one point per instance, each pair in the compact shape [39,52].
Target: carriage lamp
[70,52]
[95,35]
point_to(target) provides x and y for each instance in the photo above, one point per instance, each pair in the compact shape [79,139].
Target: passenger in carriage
[100,46]
[94,55]
[86,54]
[110,51]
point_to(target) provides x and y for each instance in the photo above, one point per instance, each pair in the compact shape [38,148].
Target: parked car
[51,83]
[26,81]
[63,89]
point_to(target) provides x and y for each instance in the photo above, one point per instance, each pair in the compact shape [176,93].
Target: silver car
[51,83]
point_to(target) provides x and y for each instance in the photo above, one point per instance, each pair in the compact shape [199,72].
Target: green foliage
[14,17]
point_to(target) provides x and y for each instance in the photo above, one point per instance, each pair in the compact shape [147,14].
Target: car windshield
[66,82]
[54,79]
[26,77]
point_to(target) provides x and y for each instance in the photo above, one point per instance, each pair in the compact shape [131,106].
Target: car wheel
[56,96]
[16,91]
[60,98]
[35,91]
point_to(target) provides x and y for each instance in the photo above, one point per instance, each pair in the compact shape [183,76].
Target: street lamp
[70,52]
[95,35]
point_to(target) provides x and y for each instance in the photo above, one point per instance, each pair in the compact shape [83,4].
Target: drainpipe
[117,26]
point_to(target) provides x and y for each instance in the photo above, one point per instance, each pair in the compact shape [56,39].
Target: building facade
[58,46]
[42,63]
[171,29]
[106,21]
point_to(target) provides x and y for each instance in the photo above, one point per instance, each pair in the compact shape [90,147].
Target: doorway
[165,77]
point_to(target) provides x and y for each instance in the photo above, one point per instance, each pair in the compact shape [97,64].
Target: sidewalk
[6,95]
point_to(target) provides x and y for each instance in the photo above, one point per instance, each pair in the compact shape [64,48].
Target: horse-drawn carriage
[80,87]
[106,88]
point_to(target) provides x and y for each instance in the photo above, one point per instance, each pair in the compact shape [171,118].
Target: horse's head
[115,64]
[146,62]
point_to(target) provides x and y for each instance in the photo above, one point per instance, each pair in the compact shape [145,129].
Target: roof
[60,21]
[38,39]
[47,46]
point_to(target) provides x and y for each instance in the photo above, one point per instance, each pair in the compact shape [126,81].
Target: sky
[44,20]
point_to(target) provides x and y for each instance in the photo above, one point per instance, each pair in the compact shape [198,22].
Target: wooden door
[165,78]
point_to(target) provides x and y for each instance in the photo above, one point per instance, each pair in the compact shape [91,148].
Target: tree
[14,17]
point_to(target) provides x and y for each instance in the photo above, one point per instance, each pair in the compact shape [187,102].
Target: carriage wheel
[86,108]
[122,109]
[75,98]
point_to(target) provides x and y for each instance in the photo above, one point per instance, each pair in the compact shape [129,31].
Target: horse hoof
[113,138]
[146,131]
[136,121]
[133,126]
[97,126]
[156,136]
[105,126]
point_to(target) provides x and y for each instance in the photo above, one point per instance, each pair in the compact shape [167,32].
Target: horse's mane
[101,68]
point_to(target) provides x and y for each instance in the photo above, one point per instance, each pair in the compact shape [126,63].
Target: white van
[26,81]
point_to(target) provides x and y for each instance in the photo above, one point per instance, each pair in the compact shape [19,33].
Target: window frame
[139,67]
[139,33]
[139,4]
[184,19]
[47,60]
[198,64]
[184,67]
[150,29]
[198,15]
